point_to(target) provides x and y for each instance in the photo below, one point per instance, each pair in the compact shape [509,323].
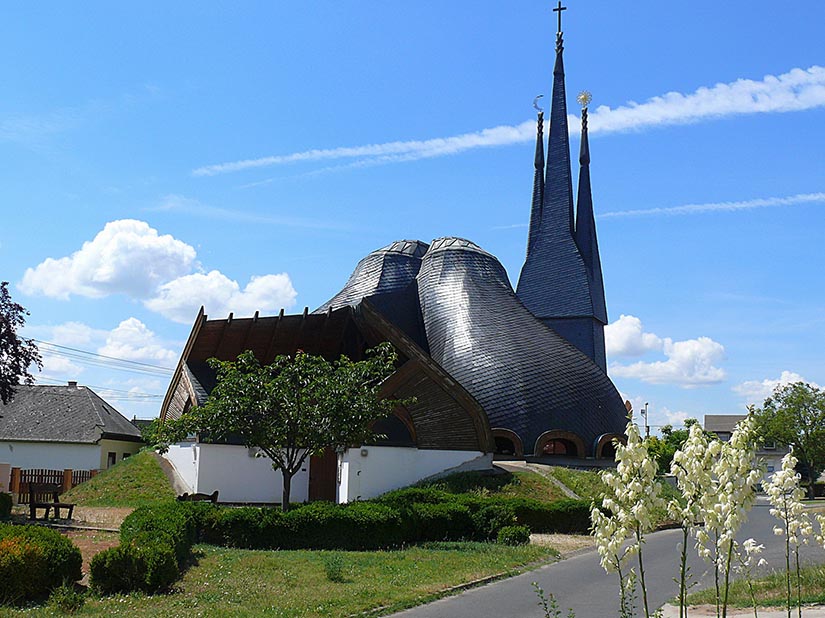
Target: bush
[442,522]
[491,518]
[155,542]
[241,527]
[563,516]
[22,571]
[62,558]
[514,535]
[5,504]
[334,567]
[356,526]
[138,564]
[404,498]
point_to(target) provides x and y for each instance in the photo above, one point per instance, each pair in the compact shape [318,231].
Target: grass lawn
[519,484]
[770,591]
[133,482]
[238,583]
[585,483]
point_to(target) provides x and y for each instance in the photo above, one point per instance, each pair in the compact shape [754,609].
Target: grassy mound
[133,482]
[520,484]
[585,483]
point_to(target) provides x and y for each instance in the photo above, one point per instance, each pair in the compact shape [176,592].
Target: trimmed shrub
[138,564]
[63,559]
[356,526]
[514,535]
[240,527]
[491,518]
[173,524]
[563,516]
[5,504]
[403,498]
[442,522]
[22,571]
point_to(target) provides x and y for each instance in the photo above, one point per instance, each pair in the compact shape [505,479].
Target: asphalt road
[581,584]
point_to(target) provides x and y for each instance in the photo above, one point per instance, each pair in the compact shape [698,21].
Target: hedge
[34,561]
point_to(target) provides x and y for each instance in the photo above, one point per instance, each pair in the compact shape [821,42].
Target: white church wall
[370,471]
[50,455]
[183,457]
[235,472]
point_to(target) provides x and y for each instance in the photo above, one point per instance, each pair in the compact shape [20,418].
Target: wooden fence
[66,479]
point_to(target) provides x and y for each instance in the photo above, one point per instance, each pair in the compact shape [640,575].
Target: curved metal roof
[526,377]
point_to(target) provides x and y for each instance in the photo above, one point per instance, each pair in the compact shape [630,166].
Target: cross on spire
[558,10]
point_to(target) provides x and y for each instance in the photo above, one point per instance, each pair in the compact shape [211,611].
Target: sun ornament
[584,98]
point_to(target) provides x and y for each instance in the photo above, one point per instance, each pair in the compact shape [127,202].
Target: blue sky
[161,156]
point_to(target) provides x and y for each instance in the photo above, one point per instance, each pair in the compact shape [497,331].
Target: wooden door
[323,476]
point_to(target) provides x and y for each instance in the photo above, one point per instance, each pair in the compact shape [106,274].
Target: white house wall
[50,455]
[370,471]
[238,476]
[119,448]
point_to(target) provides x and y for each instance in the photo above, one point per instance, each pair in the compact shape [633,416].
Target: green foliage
[563,516]
[5,504]
[139,564]
[22,571]
[334,567]
[155,543]
[447,521]
[794,415]
[514,535]
[34,561]
[585,483]
[293,408]
[133,482]
[17,354]
[67,599]
[663,448]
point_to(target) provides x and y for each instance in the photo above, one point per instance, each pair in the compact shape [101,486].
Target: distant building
[492,370]
[723,426]
[64,427]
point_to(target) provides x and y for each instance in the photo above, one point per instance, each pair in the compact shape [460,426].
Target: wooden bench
[36,493]
[213,497]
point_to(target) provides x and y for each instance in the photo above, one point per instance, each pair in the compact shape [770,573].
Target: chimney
[72,383]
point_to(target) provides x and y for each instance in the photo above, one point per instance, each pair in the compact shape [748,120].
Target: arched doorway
[559,443]
[605,445]
[507,442]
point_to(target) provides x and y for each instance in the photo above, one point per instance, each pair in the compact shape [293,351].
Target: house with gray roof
[64,427]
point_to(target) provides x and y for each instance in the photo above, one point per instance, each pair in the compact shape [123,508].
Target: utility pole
[647,426]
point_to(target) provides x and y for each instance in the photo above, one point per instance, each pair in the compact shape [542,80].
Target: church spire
[586,223]
[558,194]
[538,180]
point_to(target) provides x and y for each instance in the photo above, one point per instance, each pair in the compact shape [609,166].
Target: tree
[293,408]
[794,415]
[17,354]
[662,449]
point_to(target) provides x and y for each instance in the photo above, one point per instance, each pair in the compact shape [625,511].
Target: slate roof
[73,414]
[526,377]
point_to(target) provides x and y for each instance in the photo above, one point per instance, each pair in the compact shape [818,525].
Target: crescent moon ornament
[536,103]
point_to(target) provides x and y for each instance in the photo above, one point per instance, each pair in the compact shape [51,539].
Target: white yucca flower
[785,496]
[632,496]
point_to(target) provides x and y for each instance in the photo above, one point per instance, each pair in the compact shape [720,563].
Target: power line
[99,389]
[101,360]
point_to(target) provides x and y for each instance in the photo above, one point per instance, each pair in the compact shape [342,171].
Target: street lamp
[647,426]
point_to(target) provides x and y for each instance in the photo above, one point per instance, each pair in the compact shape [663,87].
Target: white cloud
[756,391]
[796,90]
[625,337]
[688,363]
[132,340]
[180,299]
[73,334]
[59,367]
[695,209]
[131,258]
[127,257]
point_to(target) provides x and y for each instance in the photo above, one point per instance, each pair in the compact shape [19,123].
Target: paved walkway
[581,584]
[670,611]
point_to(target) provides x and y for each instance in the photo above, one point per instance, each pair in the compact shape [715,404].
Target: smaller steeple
[585,220]
[538,179]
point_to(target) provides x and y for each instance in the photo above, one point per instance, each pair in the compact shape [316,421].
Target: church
[487,369]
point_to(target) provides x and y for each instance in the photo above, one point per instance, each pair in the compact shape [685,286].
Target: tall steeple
[561,282]
[538,179]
